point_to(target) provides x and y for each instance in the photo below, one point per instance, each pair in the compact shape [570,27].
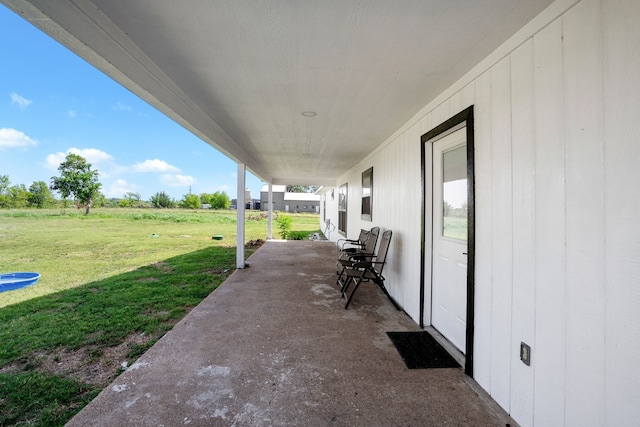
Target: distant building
[289,202]
[249,203]
[254,204]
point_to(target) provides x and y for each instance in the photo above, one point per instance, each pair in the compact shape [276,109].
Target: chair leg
[353,291]
[340,281]
[339,266]
[345,285]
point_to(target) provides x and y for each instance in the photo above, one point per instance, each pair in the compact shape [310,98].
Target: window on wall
[367,194]
[342,209]
[324,207]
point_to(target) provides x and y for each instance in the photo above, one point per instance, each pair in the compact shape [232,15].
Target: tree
[465,209]
[205,198]
[190,201]
[78,180]
[4,191]
[131,200]
[447,209]
[100,200]
[162,200]
[18,196]
[4,183]
[301,188]
[39,195]
[220,200]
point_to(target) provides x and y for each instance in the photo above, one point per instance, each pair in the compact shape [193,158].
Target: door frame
[465,117]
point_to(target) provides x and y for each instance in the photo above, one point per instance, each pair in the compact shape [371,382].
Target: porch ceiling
[240,73]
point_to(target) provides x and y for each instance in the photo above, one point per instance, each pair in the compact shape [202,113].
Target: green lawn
[455,227]
[112,284]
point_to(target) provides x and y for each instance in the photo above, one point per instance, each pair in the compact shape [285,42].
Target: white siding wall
[621,144]
[557,140]
[331,214]
[396,199]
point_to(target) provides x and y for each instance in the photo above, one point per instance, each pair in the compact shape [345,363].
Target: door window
[454,193]
[342,209]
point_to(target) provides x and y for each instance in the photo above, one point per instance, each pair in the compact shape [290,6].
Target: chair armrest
[344,242]
[357,247]
[361,256]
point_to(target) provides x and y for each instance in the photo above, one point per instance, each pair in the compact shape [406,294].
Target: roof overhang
[297,91]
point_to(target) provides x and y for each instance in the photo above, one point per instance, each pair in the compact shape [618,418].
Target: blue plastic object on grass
[12,281]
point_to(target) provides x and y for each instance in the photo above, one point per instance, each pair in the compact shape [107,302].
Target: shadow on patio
[274,346]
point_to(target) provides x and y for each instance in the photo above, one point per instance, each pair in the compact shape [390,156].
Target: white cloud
[121,107]
[72,113]
[177,180]
[119,188]
[11,138]
[22,102]
[92,155]
[155,165]
[53,160]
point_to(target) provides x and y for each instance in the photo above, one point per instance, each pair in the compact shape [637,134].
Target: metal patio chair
[367,269]
[347,256]
[352,245]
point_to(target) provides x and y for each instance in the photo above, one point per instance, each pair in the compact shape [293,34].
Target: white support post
[270,213]
[240,216]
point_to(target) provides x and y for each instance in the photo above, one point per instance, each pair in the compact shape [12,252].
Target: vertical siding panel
[404,159]
[390,197]
[445,110]
[585,214]
[427,125]
[354,190]
[455,103]
[622,201]
[393,161]
[412,220]
[484,231]
[396,206]
[383,167]
[501,183]
[468,96]
[438,115]
[548,355]
[523,158]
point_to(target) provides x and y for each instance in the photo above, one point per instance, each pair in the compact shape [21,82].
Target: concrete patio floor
[274,346]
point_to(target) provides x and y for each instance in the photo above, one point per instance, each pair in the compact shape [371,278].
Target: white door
[449,274]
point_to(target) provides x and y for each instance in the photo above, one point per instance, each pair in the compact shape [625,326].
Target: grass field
[112,284]
[455,227]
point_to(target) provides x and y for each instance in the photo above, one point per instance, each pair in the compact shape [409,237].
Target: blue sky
[52,102]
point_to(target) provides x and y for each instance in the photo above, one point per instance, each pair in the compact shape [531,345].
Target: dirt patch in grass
[162,266]
[217,271]
[254,243]
[91,364]
[147,279]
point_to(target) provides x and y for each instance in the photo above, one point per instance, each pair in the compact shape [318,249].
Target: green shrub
[190,201]
[284,223]
[162,200]
[297,235]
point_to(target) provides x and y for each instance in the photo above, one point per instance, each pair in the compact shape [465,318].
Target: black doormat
[420,350]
